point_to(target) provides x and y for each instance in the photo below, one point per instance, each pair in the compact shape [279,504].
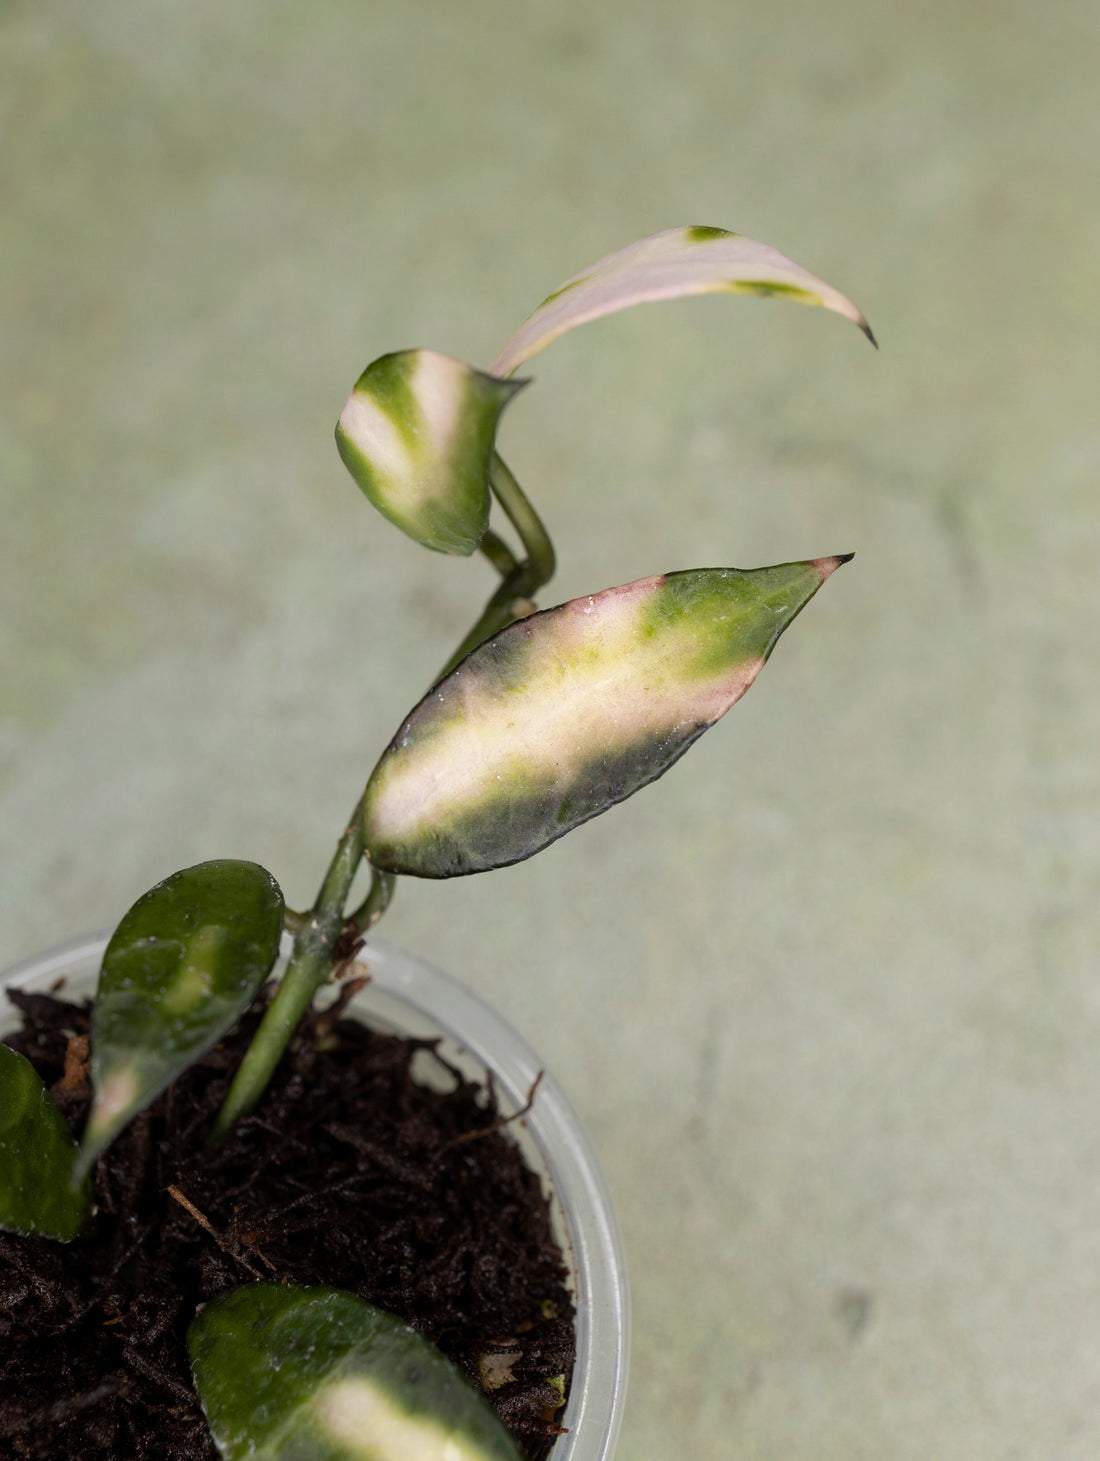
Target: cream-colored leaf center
[361,1416]
[194,980]
[440,385]
[369,427]
[592,687]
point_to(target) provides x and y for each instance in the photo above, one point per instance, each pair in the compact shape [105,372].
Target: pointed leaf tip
[181,968]
[827,566]
[417,436]
[567,712]
[668,265]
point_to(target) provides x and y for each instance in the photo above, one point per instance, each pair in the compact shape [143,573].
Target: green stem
[512,600]
[309,967]
[293,922]
[498,553]
[376,902]
[525,520]
[317,933]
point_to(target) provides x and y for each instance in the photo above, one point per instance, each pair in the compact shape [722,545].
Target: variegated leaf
[667,265]
[286,1372]
[181,968]
[36,1157]
[417,435]
[565,713]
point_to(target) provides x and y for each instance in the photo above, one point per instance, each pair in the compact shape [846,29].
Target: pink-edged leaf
[667,265]
[565,713]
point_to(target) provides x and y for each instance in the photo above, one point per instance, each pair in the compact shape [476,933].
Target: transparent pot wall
[408,996]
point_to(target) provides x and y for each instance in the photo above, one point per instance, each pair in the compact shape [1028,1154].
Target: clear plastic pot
[409,996]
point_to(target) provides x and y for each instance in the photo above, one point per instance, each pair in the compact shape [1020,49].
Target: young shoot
[538,722]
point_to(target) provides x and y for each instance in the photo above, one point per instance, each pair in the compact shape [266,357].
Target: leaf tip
[88,1153]
[116,1101]
[826,567]
[866,328]
[82,1165]
[512,384]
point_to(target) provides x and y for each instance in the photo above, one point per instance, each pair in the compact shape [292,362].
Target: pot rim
[411,995]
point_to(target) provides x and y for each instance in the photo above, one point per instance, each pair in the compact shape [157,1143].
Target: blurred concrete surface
[827,994]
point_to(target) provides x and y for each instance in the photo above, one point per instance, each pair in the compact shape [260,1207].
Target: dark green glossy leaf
[36,1156]
[567,712]
[183,965]
[417,435]
[287,1373]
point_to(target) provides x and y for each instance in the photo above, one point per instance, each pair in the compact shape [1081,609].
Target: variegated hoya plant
[539,721]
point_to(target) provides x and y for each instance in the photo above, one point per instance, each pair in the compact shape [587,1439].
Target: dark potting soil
[350,1174]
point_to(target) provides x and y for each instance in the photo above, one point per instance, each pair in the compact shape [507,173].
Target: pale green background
[827,996]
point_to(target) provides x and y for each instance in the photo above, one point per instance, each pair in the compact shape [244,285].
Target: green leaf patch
[36,1157]
[287,1373]
[181,968]
[417,435]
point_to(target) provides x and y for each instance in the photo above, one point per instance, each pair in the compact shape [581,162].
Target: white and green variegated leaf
[36,1157]
[181,968]
[565,713]
[417,435]
[668,265]
[285,1373]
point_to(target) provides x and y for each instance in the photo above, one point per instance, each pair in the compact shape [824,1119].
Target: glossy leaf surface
[668,265]
[36,1156]
[565,713]
[286,1373]
[417,435]
[181,968]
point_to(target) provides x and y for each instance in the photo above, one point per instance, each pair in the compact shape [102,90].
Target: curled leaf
[667,265]
[181,968]
[36,1157]
[417,435]
[286,1372]
[565,713]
